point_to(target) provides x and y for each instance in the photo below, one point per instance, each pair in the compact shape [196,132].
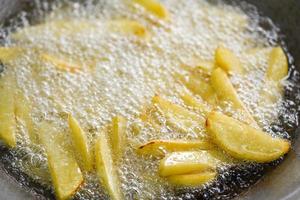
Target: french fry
[244,142]
[278,65]
[118,136]
[61,64]
[154,7]
[195,103]
[80,142]
[162,147]
[186,162]
[226,93]
[64,170]
[178,116]
[192,180]
[22,112]
[7,107]
[129,27]
[198,86]
[105,167]
[226,60]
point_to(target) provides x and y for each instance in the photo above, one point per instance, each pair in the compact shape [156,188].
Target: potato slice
[7,107]
[226,60]
[244,142]
[178,116]
[278,65]
[22,112]
[129,27]
[195,103]
[154,7]
[161,147]
[226,93]
[105,167]
[80,142]
[61,64]
[64,170]
[118,135]
[192,180]
[198,86]
[186,162]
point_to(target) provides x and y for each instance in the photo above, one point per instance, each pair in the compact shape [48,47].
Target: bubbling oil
[127,73]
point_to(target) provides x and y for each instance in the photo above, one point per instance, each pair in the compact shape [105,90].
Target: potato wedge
[192,180]
[22,112]
[198,86]
[80,141]
[161,147]
[61,64]
[7,107]
[278,65]
[154,7]
[195,103]
[64,170]
[226,93]
[186,162]
[105,167]
[129,27]
[244,142]
[178,116]
[226,60]
[118,136]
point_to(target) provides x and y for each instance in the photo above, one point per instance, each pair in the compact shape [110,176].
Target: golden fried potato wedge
[198,86]
[226,60]
[278,65]
[226,93]
[186,162]
[64,170]
[178,116]
[129,27]
[244,142]
[195,103]
[7,107]
[105,167]
[192,180]
[161,147]
[22,112]
[154,7]
[80,141]
[118,135]
[61,64]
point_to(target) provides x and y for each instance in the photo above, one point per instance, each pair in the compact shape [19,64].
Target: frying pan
[280,183]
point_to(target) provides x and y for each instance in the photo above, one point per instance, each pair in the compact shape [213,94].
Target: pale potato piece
[118,135]
[7,108]
[278,65]
[23,112]
[64,170]
[226,93]
[178,116]
[80,142]
[129,27]
[185,162]
[226,60]
[192,180]
[244,142]
[154,7]
[195,103]
[161,147]
[61,64]
[105,167]
[198,86]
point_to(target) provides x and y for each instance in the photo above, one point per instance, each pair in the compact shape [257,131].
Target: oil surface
[121,74]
